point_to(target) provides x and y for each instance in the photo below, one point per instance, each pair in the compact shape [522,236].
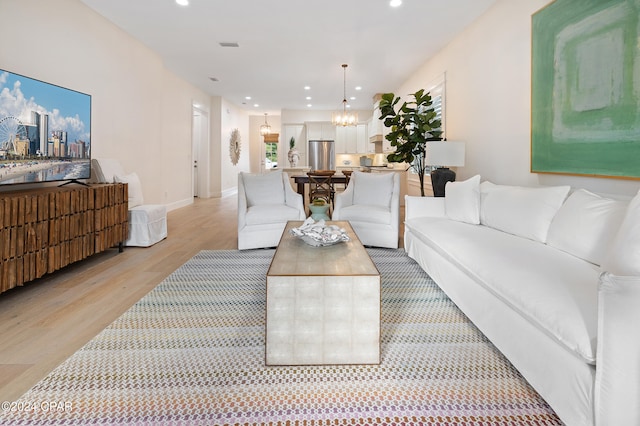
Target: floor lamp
[443,155]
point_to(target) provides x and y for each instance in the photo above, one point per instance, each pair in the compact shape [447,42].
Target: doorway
[199,151]
[270,152]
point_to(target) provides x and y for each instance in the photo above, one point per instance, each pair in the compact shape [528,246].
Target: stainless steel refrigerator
[322,155]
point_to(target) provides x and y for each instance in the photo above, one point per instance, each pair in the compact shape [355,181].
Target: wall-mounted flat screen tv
[45,131]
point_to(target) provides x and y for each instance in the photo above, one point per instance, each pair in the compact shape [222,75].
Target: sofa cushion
[462,200]
[523,211]
[555,291]
[366,213]
[586,224]
[134,188]
[373,189]
[624,257]
[271,213]
[262,189]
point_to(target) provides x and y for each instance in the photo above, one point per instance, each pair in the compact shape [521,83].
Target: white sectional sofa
[552,277]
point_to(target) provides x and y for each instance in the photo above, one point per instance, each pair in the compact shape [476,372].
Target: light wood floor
[47,320]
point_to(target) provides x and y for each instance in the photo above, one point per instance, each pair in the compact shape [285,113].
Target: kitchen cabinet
[362,138]
[320,130]
[296,131]
[378,131]
[386,144]
[352,139]
[376,125]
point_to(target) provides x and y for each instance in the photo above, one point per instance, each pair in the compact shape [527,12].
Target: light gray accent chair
[371,204]
[147,222]
[265,203]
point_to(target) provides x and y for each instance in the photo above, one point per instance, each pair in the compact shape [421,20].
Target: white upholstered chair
[147,222]
[265,203]
[371,203]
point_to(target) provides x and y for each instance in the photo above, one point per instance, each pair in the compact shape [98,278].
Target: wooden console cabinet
[43,230]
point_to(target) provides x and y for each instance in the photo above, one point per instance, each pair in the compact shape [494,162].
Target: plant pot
[319,211]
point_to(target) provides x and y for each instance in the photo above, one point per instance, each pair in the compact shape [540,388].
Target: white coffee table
[323,303]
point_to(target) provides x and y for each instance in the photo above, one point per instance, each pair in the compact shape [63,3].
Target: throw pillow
[624,257]
[262,189]
[134,188]
[373,189]
[523,211]
[462,200]
[106,169]
[586,224]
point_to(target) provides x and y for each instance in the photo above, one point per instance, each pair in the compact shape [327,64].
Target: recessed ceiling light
[308,98]
[183,2]
[307,87]
[256,105]
[358,87]
[353,98]
[395,3]
[248,98]
[309,105]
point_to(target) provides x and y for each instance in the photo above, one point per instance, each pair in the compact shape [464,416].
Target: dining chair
[347,176]
[321,185]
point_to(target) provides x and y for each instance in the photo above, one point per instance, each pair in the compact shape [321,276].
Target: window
[271,154]
[437,96]
[271,151]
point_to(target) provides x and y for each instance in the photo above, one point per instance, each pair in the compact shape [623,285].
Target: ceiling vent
[213,79]
[229,44]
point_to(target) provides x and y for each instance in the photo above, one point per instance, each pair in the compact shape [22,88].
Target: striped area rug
[191,352]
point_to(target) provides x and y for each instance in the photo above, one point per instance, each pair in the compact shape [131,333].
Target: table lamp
[443,154]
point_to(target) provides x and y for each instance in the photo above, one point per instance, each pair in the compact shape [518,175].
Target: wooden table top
[294,257]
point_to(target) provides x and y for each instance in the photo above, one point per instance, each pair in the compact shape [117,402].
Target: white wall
[141,112]
[488,99]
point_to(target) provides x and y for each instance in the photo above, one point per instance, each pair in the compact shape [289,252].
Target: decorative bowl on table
[319,234]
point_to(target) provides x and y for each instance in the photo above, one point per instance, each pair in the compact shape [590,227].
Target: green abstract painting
[585,94]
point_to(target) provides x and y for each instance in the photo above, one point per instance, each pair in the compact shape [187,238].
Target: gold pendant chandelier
[265,129]
[344,118]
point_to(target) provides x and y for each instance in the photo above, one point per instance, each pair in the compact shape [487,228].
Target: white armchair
[371,203]
[265,203]
[147,222]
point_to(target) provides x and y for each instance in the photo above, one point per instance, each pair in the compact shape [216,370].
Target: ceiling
[285,45]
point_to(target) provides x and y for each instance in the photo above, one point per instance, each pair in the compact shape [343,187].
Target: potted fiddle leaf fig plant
[412,125]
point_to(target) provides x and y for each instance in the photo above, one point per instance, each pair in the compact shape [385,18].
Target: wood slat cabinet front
[43,230]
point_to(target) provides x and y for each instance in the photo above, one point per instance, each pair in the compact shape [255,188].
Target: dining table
[302,180]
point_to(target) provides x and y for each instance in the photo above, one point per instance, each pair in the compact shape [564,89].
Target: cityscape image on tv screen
[45,131]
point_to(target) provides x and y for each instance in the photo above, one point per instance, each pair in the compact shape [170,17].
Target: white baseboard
[229,192]
[181,203]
